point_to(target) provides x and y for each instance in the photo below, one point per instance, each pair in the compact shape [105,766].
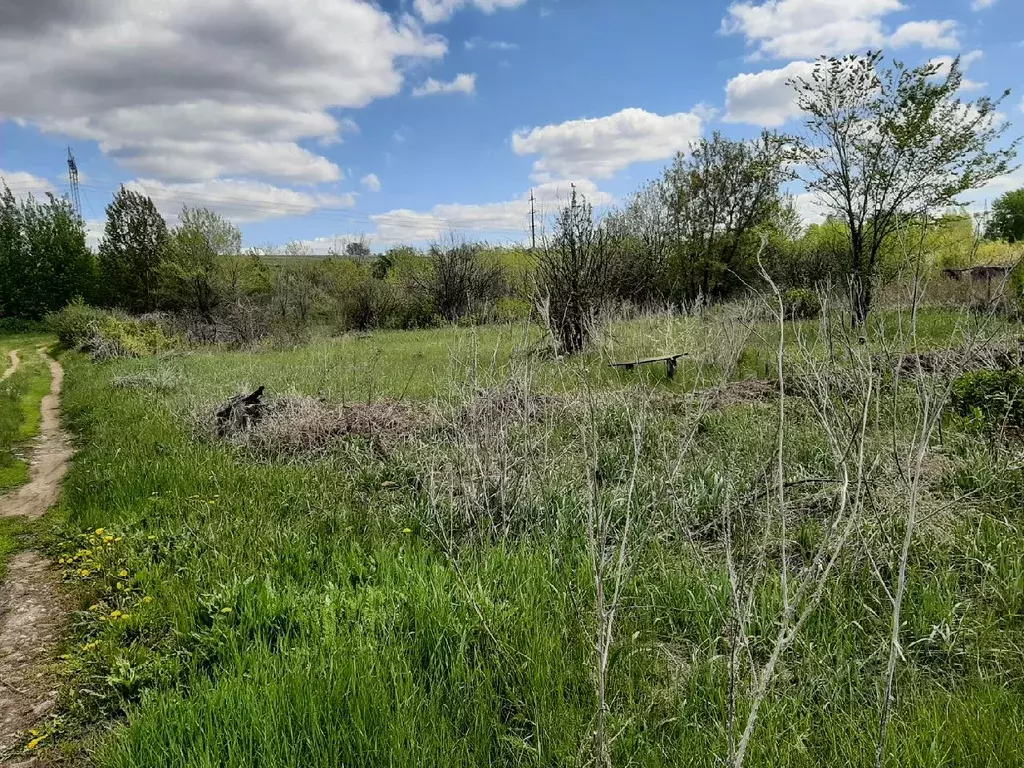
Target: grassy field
[20,396]
[535,562]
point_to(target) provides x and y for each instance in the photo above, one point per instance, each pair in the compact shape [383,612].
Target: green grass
[20,398]
[306,613]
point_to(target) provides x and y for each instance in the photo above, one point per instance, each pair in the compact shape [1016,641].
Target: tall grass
[432,601]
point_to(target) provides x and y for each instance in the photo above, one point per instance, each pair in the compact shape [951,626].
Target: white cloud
[463,83]
[492,45]
[800,29]
[601,147]
[765,98]
[435,11]
[192,89]
[509,219]
[238,200]
[810,208]
[22,184]
[927,34]
[371,182]
[981,5]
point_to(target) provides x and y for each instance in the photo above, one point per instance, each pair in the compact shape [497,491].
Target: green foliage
[721,199]
[199,249]
[79,325]
[76,323]
[1007,217]
[44,260]
[994,399]
[132,252]
[801,303]
[884,146]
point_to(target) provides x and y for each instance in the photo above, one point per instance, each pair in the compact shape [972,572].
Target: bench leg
[671,365]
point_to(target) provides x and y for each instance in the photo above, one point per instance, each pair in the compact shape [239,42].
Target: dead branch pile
[299,426]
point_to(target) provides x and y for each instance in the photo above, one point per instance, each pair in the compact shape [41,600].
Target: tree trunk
[860,299]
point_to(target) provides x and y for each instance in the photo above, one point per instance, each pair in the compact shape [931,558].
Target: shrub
[107,334]
[76,323]
[801,304]
[994,398]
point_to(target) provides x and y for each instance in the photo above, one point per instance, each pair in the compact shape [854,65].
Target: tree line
[888,152]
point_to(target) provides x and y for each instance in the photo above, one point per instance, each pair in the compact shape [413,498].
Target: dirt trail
[49,460]
[31,611]
[31,618]
[13,367]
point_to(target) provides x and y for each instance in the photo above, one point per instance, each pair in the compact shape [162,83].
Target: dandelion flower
[123,573]
[100,531]
[225,610]
[147,599]
[115,614]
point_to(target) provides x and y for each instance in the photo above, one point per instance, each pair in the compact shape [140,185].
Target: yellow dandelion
[94,607]
[100,531]
[147,599]
[125,616]
[107,539]
[115,614]
[123,573]
[225,610]
[34,743]
[407,531]
[91,646]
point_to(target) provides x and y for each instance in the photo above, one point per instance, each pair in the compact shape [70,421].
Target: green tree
[719,199]
[201,248]
[44,260]
[1007,220]
[885,147]
[133,248]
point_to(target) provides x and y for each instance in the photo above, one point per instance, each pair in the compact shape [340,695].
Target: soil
[31,618]
[13,367]
[32,614]
[49,460]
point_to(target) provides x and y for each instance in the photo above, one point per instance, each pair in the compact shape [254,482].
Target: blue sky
[323,120]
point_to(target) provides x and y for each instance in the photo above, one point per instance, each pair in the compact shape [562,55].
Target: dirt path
[49,459]
[31,611]
[31,618]
[13,367]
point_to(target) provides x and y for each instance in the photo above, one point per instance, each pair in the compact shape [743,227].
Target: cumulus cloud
[799,29]
[463,83]
[240,201]
[23,183]
[191,89]
[601,147]
[981,5]
[371,182]
[507,219]
[765,98]
[435,11]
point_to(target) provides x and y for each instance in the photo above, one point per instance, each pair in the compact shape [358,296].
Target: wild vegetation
[457,536]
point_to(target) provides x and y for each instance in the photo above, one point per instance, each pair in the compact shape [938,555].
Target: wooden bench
[670,363]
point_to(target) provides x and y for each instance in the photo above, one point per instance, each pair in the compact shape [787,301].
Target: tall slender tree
[134,246]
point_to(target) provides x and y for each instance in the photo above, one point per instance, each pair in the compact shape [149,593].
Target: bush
[801,304]
[76,323]
[107,334]
[993,398]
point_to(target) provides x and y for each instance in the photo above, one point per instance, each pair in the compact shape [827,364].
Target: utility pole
[76,192]
[533,224]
